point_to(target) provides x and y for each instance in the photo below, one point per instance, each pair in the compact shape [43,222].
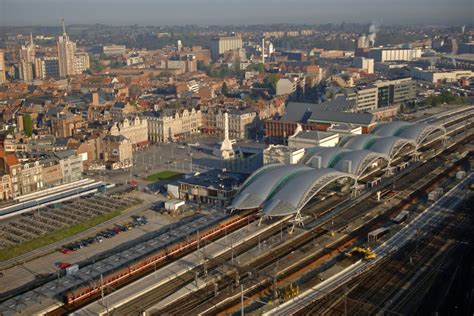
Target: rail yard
[221,263]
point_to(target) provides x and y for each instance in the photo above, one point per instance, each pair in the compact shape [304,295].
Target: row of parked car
[108,233]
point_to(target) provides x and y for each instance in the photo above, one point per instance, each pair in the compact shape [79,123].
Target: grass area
[39,242]
[164,175]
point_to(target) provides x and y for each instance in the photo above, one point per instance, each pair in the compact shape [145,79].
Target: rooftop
[217,179]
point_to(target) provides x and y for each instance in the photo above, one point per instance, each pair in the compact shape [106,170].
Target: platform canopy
[295,194]
[263,183]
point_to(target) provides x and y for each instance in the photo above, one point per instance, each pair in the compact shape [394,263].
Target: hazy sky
[206,12]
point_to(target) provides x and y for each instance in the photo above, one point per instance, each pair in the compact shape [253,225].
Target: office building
[395,92]
[366,98]
[221,45]
[66,54]
[3,76]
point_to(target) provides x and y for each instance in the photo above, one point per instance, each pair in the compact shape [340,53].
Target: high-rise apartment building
[66,54]
[82,63]
[27,60]
[47,67]
[221,45]
[3,76]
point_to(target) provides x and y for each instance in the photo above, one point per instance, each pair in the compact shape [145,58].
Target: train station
[357,161]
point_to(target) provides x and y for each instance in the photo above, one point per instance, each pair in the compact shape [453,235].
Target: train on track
[124,274]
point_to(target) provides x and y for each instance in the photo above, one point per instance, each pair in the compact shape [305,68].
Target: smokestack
[372,35]
[263,51]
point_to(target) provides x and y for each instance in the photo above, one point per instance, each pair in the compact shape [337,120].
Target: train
[126,273]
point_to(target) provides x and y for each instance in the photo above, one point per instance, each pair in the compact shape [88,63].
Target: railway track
[408,200]
[374,291]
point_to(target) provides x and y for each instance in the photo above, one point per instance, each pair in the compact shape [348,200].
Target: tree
[28,125]
[257,67]
[225,88]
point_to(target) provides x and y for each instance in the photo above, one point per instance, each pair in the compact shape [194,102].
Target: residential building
[64,124]
[134,129]
[11,166]
[31,178]
[5,187]
[170,124]
[66,55]
[52,172]
[26,71]
[118,151]
[366,64]
[71,165]
[221,45]
[121,110]
[242,123]
[82,63]
[286,86]
[3,75]
[47,67]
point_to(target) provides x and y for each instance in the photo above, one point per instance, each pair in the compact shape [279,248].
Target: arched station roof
[420,132]
[391,145]
[417,132]
[359,142]
[357,161]
[297,192]
[329,155]
[262,184]
[390,129]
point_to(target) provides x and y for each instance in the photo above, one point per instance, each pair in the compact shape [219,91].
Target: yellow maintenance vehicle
[366,253]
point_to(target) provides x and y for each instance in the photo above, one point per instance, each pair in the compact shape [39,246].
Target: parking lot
[50,219]
[112,231]
[24,273]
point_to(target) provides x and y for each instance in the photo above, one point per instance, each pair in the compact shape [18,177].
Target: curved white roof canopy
[260,185]
[359,142]
[357,161]
[296,193]
[420,132]
[390,129]
[391,145]
[329,156]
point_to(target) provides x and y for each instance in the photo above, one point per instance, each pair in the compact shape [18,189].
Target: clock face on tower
[115,152]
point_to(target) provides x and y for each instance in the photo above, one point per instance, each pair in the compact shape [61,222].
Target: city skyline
[210,12]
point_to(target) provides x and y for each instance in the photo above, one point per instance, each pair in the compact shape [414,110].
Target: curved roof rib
[420,132]
[357,161]
[359,142]
[263,183]
[391,145]
[329,156]
[390,129]
[296,193]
